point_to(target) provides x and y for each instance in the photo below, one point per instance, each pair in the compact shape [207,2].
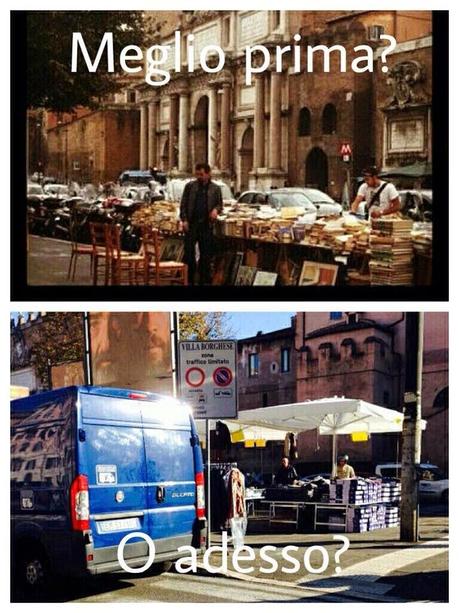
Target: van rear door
[111,453]
[170,466]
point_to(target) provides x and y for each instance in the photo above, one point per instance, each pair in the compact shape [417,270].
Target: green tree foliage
[204,326]
[50,82]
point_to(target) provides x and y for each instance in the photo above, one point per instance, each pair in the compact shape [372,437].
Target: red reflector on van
[79,503]
[199,478]
[90,557]
[136,396]
[200,496]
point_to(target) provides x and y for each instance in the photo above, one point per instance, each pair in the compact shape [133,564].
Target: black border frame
[437,291]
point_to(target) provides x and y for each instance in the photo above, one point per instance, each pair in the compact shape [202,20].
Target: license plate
[118,525]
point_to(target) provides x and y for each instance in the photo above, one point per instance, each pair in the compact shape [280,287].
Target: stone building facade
[403,102]
[285,128]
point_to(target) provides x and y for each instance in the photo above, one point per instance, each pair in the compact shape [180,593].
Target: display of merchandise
[372,517]
[355,491]
[391,251]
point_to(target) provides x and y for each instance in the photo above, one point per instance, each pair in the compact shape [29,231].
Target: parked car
[175,187]
[135,177]
[57,190]
[35,190]
[90,465]
[325,205]
[303,196]
[417,203]
[432,482]
[278,199]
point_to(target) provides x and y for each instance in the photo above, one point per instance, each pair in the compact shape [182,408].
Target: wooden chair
[99,259]
[123,265]
[157,272]
[77,250]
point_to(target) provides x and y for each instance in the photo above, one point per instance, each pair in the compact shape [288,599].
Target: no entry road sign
[207,378]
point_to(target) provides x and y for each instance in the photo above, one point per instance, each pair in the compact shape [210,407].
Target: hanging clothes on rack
[218,512]
[290,446]
[237,513]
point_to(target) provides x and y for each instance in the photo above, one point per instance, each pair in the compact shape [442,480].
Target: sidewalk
[376,567]
[48,262]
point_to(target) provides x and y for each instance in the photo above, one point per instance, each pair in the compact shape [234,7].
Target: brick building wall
[270,385]
[315,159]
[95,147]
[372,368]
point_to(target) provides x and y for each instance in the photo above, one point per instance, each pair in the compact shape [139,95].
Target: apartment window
[254,363]
[304,122]
[329,119]
[276,19]
[375,32]
[131,96]
[285,360]
[336,315]
[264,402]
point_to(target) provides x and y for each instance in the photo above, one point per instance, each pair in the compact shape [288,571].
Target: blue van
[90,465]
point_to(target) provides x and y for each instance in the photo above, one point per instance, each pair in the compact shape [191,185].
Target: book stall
[270,247]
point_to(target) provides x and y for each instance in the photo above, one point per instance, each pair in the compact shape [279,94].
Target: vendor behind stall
[286,475]
[343,470]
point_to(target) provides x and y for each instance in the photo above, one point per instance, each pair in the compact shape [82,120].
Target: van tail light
[137,396]
[79,503]
[200,496]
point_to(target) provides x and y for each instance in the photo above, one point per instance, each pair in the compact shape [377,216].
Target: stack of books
[391,491]
[391,252]
[392,517]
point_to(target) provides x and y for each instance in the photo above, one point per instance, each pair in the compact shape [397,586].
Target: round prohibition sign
[222,376]
[195,376]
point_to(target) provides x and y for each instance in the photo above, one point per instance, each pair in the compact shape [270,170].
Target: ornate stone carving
[404,78]
[197,17]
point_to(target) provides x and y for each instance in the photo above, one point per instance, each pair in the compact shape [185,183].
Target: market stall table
[331,507]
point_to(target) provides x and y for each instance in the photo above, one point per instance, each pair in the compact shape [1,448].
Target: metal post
[208,480]
[411,436]
[174,352]
[419,363]
[334,452]
[87,349]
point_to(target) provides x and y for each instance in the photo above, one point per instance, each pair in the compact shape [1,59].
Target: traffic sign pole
[208,481]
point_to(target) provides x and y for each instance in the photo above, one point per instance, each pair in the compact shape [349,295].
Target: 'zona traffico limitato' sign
[207,378]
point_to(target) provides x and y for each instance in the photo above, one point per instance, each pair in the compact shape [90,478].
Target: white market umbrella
[331,416]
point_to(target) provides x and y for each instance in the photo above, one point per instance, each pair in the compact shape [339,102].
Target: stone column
[143,157]
[233,29]
[213,127]
[152,127]
[172,129]
[183,133]
[226,128]
[284,25]
[259,123]
[275,144]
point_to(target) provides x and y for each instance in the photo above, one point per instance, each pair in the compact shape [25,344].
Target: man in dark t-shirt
[286,475]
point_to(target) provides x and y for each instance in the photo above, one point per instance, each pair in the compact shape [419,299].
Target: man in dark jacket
[286,475]
[201,203]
